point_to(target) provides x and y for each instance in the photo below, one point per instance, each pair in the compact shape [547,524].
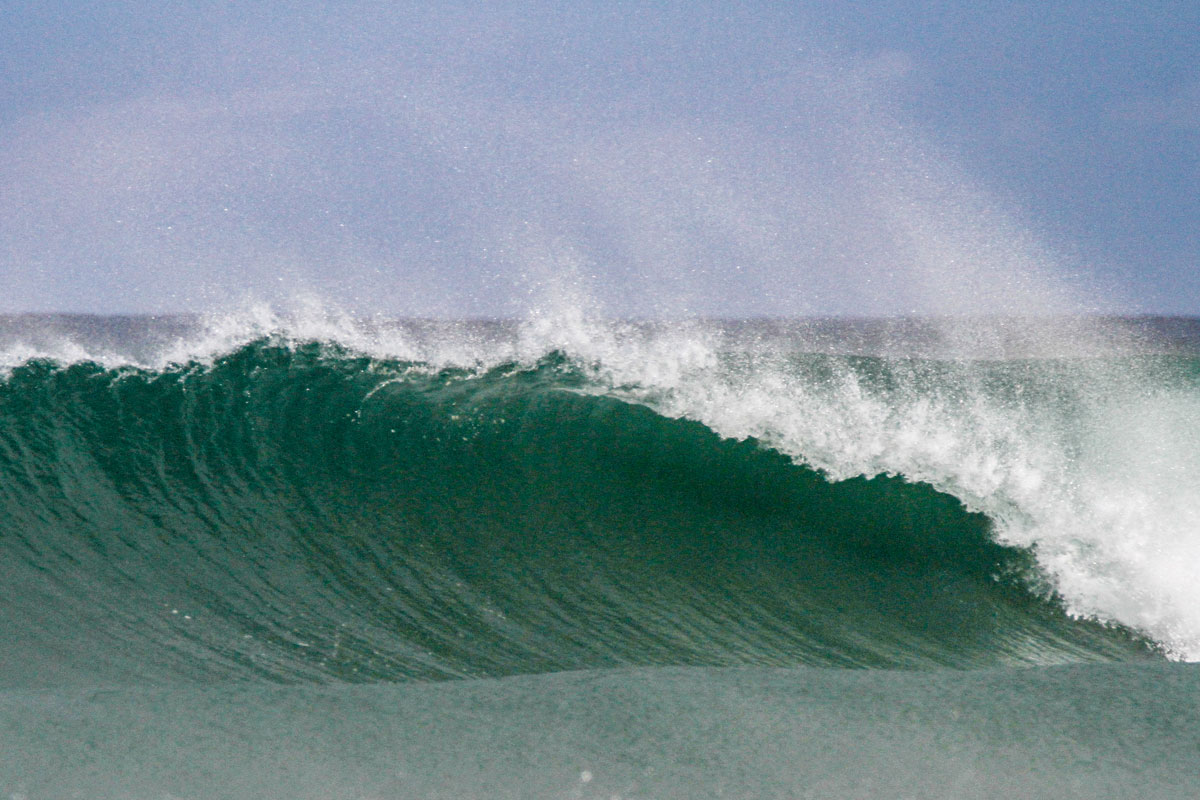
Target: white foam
[1095,468]
[206,338]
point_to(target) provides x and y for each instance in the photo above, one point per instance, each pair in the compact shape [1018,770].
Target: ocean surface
[308,556]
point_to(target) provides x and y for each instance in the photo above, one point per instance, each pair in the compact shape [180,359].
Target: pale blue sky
[657,158]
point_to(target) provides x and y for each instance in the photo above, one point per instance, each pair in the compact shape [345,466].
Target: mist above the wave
[474,166]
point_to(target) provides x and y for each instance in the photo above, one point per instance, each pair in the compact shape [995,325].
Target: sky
[653,159]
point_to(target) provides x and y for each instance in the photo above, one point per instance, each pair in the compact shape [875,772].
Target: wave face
[296,512]
[635,509]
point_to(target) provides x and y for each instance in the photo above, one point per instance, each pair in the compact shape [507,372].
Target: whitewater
[309,555]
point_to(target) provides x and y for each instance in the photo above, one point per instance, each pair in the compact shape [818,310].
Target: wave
[299,512]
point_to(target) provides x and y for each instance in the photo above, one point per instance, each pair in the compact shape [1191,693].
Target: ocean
[311,556]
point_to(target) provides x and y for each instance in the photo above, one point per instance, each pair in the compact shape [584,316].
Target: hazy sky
[686,158]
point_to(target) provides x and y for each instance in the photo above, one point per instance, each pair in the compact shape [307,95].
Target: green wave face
[300,513]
